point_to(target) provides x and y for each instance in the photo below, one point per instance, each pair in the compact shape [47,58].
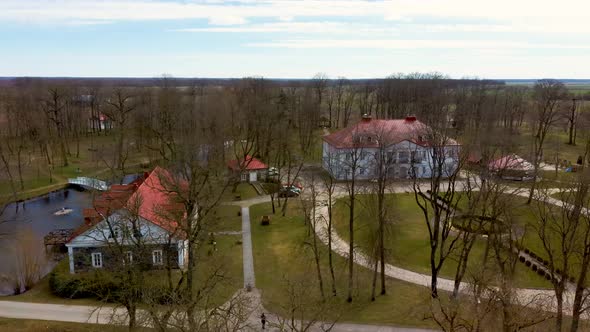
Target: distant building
[407,146]
[143,209]
[249,169]
[100,122]
[512,167]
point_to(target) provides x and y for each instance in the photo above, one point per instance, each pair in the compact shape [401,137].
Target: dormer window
[368,138]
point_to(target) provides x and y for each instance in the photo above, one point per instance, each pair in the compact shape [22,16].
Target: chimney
[366,118]
[410,118]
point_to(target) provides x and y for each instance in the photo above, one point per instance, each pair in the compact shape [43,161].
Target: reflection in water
[34,219]
[36,216]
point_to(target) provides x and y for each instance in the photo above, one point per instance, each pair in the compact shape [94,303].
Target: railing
[89,183]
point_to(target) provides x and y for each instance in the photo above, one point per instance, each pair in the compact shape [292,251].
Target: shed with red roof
[512,167]
[249,169]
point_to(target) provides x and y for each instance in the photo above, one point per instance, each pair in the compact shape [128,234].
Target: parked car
[288,192]
[273,171]
[292,188]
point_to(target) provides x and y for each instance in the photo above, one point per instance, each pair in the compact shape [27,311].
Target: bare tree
[547,96]
[330,162]
[121,105]
[437,196]
[54,107]
[309,206]
[350,164]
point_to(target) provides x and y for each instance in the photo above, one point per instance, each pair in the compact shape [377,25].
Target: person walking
[263,320]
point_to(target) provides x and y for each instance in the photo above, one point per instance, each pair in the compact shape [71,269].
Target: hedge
[81,285]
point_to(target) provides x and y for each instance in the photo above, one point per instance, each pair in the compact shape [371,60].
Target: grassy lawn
[36,171]
[555,145]
[226,219]
[407,239]
[244,190]
[281,259]
[22,325]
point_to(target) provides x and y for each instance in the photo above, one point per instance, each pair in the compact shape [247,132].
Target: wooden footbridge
[89,183]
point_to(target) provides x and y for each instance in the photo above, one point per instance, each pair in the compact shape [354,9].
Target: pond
[21,236]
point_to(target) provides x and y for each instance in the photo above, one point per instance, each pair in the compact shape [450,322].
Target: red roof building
[152,200]
[408,143]
[512,167]
[249,163]
[248,169]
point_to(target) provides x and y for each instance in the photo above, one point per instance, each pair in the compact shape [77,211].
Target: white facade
[118,229]
[401,158]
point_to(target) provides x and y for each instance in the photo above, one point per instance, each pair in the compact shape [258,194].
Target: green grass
[41,293]
[244,190]
[407,241]
[22,325]
[226,218]
[36,171]
[281,258]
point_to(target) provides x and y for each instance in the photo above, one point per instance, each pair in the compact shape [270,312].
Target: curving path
[539,298]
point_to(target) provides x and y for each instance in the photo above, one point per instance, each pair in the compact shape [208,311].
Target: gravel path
[539,298]
[248,258]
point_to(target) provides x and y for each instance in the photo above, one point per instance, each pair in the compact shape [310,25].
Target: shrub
[67,285]
[81,285]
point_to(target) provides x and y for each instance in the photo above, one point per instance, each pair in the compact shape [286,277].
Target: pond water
[21,236]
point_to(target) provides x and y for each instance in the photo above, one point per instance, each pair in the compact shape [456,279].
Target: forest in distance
[496,254]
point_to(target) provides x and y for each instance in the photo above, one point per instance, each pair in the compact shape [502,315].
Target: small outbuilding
[512,167]
[249,168]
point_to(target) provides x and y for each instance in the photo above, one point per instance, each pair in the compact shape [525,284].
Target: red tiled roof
[510,162]
[147,196]
[249,163]
[157,200]
[392,131]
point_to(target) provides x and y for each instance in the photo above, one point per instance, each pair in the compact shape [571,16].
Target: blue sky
[295,39]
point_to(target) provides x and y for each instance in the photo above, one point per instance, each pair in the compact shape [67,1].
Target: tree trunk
[20,168]
[64,155]
[382,241]
[330,261]
[374,283]
[351,242]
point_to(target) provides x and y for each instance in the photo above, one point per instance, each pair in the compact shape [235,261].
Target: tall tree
[548,94]
[121,104]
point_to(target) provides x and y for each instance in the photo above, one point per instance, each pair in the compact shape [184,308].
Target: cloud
[346,28]
[216,12]
[411,44]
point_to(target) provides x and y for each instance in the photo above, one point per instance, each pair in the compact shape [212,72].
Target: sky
[295,38]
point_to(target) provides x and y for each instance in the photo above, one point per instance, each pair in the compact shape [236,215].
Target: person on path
[263,320]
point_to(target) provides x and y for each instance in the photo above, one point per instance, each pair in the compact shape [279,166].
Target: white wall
[338,161]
